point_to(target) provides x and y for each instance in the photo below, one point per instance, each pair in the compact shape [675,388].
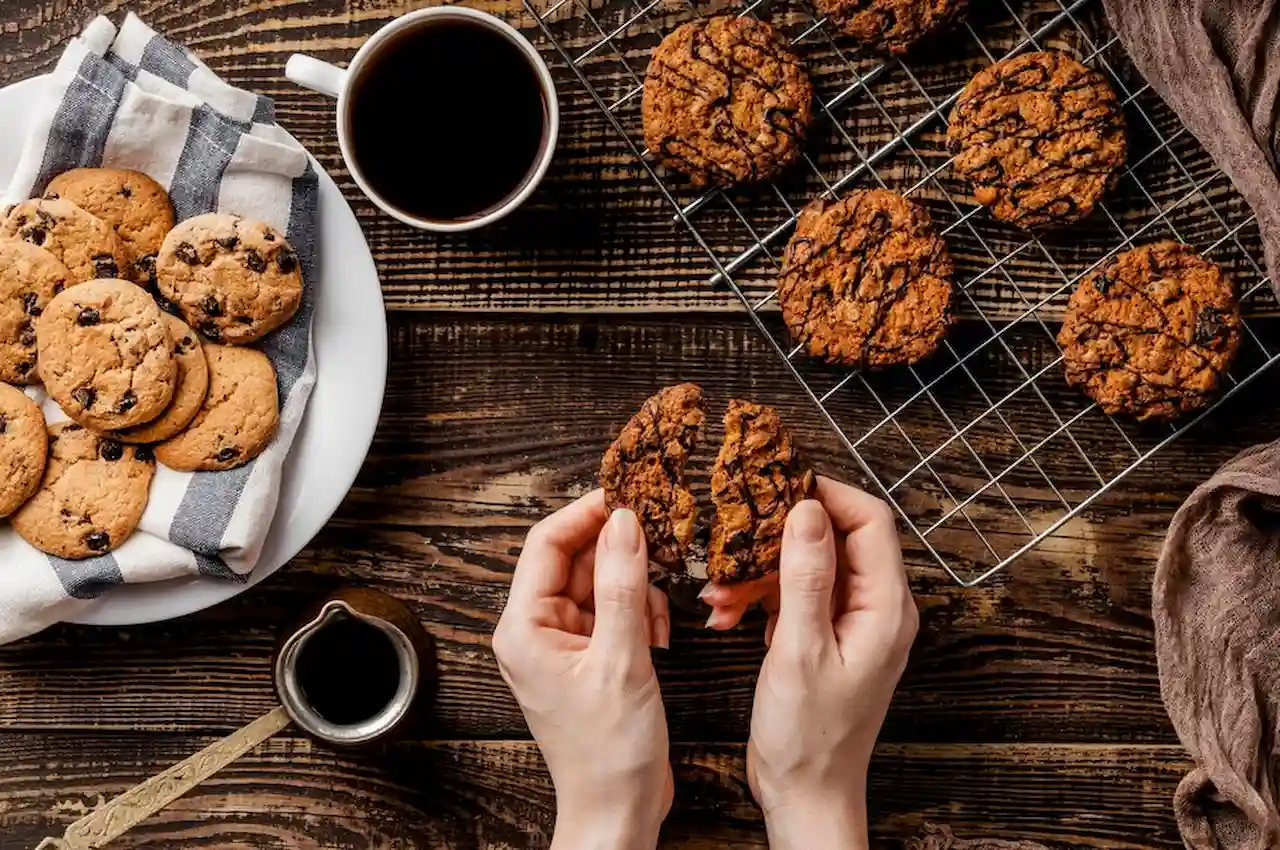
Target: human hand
[842,621]
[573,646]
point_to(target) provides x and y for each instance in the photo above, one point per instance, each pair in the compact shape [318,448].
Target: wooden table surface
[1031,707]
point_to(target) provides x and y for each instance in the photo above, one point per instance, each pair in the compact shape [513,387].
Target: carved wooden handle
[141,802]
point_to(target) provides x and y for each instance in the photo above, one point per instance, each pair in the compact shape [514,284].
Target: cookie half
[238,419]
[1041,138]
[234,280]
[190,387]
[24,448]
[105,355]
[893,25]
[91,498]
[644,470]
[757,478]
[726,101]
[866,281]
[84,243]
[29,278]
[135,206]
[1152,333]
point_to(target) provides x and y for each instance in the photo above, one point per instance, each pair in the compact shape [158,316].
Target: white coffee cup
[336,82]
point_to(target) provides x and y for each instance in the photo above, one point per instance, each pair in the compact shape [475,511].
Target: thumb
[807,575]
[621,587]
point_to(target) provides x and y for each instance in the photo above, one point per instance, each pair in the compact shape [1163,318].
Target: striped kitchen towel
[132,99]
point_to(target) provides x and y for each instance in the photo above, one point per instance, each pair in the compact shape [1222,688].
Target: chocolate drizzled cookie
[726,101]
[1041,138]
[758,477]
[866,280]
[1152,332]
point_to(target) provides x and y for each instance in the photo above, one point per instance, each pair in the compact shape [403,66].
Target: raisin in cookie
[29,278]
[757,478]
[1041,138]
[239,416]
[1152,333]
[24,447]
[893,25]
[105,355]
[726,101]
[235,280]
[644,470]
[866,281]
[189,390]
[134,205]
[92,496]
[84,243]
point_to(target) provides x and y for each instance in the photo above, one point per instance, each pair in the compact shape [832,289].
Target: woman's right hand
[845,622]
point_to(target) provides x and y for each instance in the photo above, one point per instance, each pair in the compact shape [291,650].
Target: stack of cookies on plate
[866,280]
[139,330]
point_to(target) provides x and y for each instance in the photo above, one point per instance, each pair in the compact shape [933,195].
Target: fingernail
[663,637]
[623,534]
[808,522]
[711,621]
[707,590]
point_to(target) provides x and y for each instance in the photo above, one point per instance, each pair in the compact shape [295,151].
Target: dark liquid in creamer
[447,120]
[348,671]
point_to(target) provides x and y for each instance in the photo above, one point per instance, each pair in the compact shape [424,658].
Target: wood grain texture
[494,795]
[599,235]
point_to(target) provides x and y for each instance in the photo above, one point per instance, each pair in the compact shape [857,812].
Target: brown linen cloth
[1216,598]
[939,837]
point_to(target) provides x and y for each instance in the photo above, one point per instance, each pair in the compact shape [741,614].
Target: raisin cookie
[24,447]
[188,393]
[105,355]
[1041,138]
[85,244]
[893,25]
[234,280]
[92,496]
[239,416]
[757,478]
[866,281]
[644,470]
[1152,333]
[726,101]
[135,206]
[29,278]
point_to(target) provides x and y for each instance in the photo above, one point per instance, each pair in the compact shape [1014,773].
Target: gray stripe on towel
[82,123]
[167,61]
[87,579]
[211,144]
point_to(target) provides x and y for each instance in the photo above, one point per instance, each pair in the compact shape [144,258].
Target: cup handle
[315,74]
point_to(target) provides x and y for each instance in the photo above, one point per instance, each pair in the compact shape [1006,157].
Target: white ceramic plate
[350,338]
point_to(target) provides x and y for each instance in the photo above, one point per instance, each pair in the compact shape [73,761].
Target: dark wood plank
[599,236]
[464,794]
[488,426]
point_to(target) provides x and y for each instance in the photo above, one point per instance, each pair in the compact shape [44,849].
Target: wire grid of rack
[982,450]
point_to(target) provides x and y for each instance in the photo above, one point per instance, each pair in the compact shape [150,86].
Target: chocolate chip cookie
[105,355]
[29,278]
[757,478]
[644,470]
[135,206]
[866,281]
[189,390]
[84,243]
[1041,138]
[726,101]
[234,280]
[24,447]
[239,416]
[92,496]
[893,25]
[1152,333]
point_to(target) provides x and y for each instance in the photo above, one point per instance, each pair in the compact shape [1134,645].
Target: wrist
[837,822]
[624,828]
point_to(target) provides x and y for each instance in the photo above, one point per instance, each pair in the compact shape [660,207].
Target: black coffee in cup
[447,120]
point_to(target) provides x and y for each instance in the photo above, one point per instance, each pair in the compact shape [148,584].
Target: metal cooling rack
[982,450]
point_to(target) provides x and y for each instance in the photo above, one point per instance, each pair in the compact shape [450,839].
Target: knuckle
[809,579]
[881,513]
[618,594]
